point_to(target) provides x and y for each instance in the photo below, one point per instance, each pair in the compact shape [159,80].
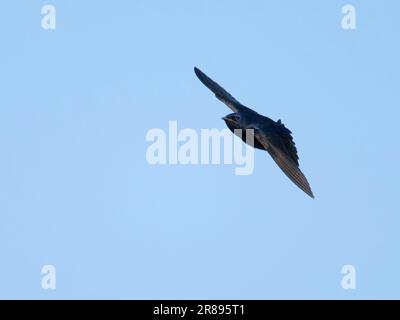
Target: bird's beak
[229,120]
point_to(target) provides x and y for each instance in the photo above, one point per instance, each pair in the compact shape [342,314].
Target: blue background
[77,192]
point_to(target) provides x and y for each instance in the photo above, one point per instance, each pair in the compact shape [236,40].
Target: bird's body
[269,135]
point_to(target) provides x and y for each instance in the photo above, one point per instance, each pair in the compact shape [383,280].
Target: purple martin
[269,135]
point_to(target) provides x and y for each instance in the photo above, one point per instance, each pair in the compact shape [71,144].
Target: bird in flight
[269,135]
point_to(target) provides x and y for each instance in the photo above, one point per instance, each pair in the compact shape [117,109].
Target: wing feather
[219,92]
[287,165]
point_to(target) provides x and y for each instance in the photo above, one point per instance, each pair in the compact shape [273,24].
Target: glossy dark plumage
[269,135]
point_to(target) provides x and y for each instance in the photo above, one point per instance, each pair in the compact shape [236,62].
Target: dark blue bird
[269,135]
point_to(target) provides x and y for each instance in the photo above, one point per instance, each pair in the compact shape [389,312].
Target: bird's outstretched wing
[219,92]
[275,144]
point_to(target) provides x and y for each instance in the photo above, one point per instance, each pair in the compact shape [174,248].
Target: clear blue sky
[76,190]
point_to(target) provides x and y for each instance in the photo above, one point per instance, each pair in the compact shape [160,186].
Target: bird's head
[232,119]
